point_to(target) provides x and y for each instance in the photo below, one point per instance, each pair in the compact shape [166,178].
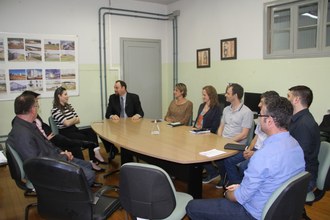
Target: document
[175,124]
[200,131]
[3,159]
[212,153]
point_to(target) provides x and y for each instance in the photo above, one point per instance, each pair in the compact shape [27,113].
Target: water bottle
[155,128]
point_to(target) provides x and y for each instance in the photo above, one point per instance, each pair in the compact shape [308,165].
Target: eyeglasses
[265,116]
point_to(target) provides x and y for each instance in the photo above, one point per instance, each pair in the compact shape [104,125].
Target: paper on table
[3,159]
[212,153]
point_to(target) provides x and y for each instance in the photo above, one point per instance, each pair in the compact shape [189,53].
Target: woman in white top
[66,119]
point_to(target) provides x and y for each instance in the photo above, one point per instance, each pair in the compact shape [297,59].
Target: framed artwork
[203,58]
[228,49]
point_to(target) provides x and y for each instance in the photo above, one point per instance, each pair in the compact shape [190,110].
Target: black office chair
[17,173]
[323,178]
[63,192]
[287,202]
[146,191]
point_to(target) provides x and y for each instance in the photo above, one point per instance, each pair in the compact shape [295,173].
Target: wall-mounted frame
[203,58]
[228,49]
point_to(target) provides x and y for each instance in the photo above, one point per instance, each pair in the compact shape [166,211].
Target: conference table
[175,149]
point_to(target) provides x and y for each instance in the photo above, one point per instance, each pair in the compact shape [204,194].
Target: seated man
[75,146]
[280,158]
[122,104]
[27,140]
[230,164]
[304,129]
[236,123]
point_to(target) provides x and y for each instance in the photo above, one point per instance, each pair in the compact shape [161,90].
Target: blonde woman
[180,109]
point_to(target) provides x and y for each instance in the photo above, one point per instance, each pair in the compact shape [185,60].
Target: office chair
[287,202]
[63,192]
[147,191]
[17,173]
[251,133]
[53,125]
[323,178]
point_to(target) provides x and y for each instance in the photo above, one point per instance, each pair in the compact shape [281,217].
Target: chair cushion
[182,200]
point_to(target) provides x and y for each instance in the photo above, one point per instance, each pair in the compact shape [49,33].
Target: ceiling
[163,2]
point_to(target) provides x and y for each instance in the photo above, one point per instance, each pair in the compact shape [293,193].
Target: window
[297,28]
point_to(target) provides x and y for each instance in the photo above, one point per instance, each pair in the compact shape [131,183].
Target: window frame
[321,50]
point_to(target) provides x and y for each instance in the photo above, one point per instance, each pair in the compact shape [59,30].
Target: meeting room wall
[202,24]
[80,17]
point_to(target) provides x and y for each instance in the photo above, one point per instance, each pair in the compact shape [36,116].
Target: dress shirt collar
[296,116]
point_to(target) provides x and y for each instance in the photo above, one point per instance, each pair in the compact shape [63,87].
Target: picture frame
[203,58]
[228,49]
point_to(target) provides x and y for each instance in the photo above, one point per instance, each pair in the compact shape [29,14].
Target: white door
[141,70]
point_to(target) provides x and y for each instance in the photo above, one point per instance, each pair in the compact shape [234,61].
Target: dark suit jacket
[132,105]
[211,118]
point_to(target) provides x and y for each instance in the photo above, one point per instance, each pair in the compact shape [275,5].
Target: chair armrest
[103,190]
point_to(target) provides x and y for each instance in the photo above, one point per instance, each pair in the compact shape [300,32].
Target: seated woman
[180,109]
[66,119]
[209,115]
[75,146]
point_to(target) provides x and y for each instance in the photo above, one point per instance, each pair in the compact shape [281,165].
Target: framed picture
[228,49]
[203,58]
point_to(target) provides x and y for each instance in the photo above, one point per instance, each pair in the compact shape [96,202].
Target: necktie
[122,107]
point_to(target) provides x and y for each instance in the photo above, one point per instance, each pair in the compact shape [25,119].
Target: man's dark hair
[29,92]
[237,89]
[122,83]
[281,110]
[304,93]
[268,95]
[24,103]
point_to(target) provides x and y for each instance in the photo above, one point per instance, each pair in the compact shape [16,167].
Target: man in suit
[122,104]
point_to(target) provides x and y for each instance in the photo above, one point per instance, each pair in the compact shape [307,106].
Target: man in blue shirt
[280,158]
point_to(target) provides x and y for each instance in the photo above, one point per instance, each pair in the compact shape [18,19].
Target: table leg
[195,186]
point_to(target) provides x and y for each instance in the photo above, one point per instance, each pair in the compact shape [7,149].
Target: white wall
[201,24]
[79,17]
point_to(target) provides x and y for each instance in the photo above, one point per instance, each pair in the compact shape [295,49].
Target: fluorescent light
[309,15]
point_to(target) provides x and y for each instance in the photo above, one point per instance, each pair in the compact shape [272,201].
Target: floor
[13,202]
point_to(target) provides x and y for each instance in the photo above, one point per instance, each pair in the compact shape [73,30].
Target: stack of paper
[3,159]
[212,153]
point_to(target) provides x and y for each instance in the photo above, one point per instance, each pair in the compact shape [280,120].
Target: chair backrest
[53,125]
[146,191]
[16,170]
[323,179]
[250,134]
[62,189]
[287,202]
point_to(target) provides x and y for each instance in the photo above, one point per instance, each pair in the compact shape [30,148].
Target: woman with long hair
[209,115]
[66,120]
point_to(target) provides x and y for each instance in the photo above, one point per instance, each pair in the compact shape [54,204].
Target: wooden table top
[175,144]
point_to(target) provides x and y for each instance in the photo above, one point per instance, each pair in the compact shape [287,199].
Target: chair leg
[110,173]
[27,208]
